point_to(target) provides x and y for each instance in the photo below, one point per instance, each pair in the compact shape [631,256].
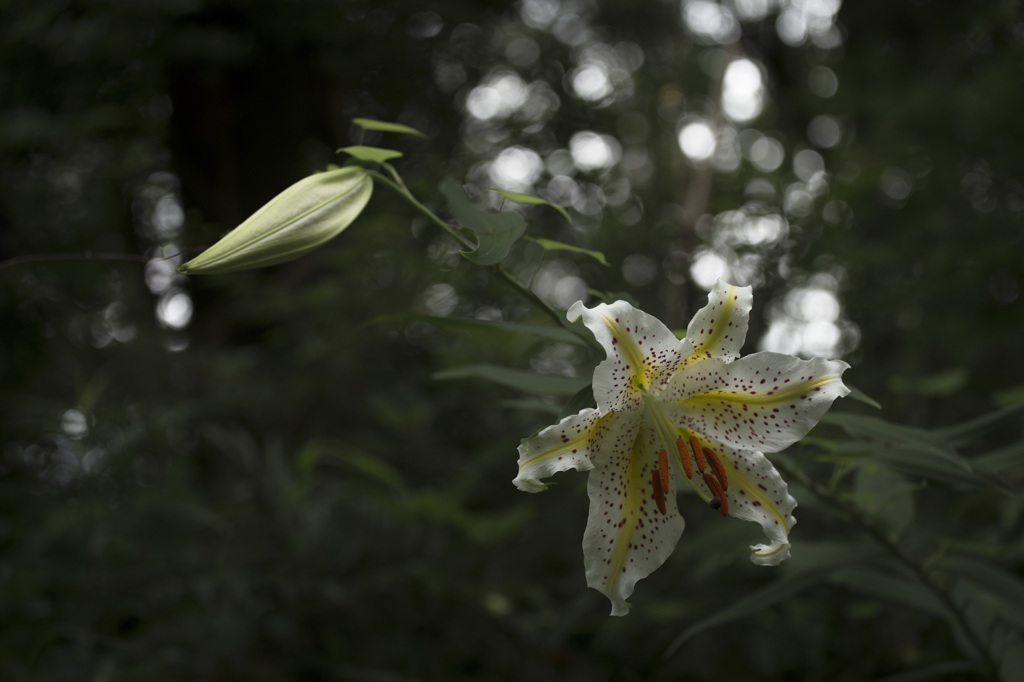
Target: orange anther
[663,470]
[718,494]
[684,457]
[698,453]
[716,466]
[659,494]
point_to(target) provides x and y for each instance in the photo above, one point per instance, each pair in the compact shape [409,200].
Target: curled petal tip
[530,485]
[769,555]
[574,311]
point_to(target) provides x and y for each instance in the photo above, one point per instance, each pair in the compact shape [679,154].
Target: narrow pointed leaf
[373,154]
[385,127]
[892,588]
[905,437]
[304,216]
[1006,587]
[521,198]
[813,571]
[861,396]
[966,432]
[528,382]
[473,325]
[1008,457]
[495,232]
[933,671]
[552,245]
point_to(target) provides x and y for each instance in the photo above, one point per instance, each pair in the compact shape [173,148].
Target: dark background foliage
[257,476]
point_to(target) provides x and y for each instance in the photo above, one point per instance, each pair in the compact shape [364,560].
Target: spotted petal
[719,328]
[573,443]
[765,401]
[757,493]
[627,535]
[642,352]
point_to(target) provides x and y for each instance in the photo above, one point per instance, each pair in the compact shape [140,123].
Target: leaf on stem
[473,325]
[385,127]
[495,232]
[521,198]
[528,382]
[817,566]
[372,154]
[552,245]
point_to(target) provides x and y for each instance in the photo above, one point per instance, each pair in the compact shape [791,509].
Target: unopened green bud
[309,213]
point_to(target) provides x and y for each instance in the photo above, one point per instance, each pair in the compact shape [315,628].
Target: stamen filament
[698,453]
[684,457]
[667,432]
[717,468]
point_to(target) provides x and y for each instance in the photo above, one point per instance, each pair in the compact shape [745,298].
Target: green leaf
[894,588]
[521,198]
[861,396]
[931,672]
[373,154]
[897,436]
[941,384]
[583,399]
[1009,457]
[969,431]
[495,232]
[1007,589]
[528,382]
[815,567]
[304,216]
[885,495]
[552,245]
[533,405]
[385,127]
[471,325]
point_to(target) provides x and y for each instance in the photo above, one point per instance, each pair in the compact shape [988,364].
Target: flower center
[709,466]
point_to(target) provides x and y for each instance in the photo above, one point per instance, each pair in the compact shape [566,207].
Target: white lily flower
[671,412]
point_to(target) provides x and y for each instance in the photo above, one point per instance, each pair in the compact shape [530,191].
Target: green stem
[49,257]
[407,195]
[398,186]
[854,516]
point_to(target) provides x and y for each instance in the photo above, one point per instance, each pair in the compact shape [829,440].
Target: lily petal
[757,493]
[765,401]
[719,328]
[627,536]
[641,352]
[569,444]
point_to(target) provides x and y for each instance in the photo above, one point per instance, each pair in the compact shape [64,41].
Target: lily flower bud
[304,216]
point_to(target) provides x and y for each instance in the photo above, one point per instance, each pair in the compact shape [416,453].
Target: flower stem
[398,186]
[916,567]
[50,257]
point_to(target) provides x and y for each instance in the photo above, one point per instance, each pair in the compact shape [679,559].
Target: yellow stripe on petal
[757,493]
[786,394]
[565,445]
[711,342]
[719,328]
[626,345]
[628,535]
[764,401]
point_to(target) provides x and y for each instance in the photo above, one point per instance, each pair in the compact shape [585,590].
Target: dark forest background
[259,476]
